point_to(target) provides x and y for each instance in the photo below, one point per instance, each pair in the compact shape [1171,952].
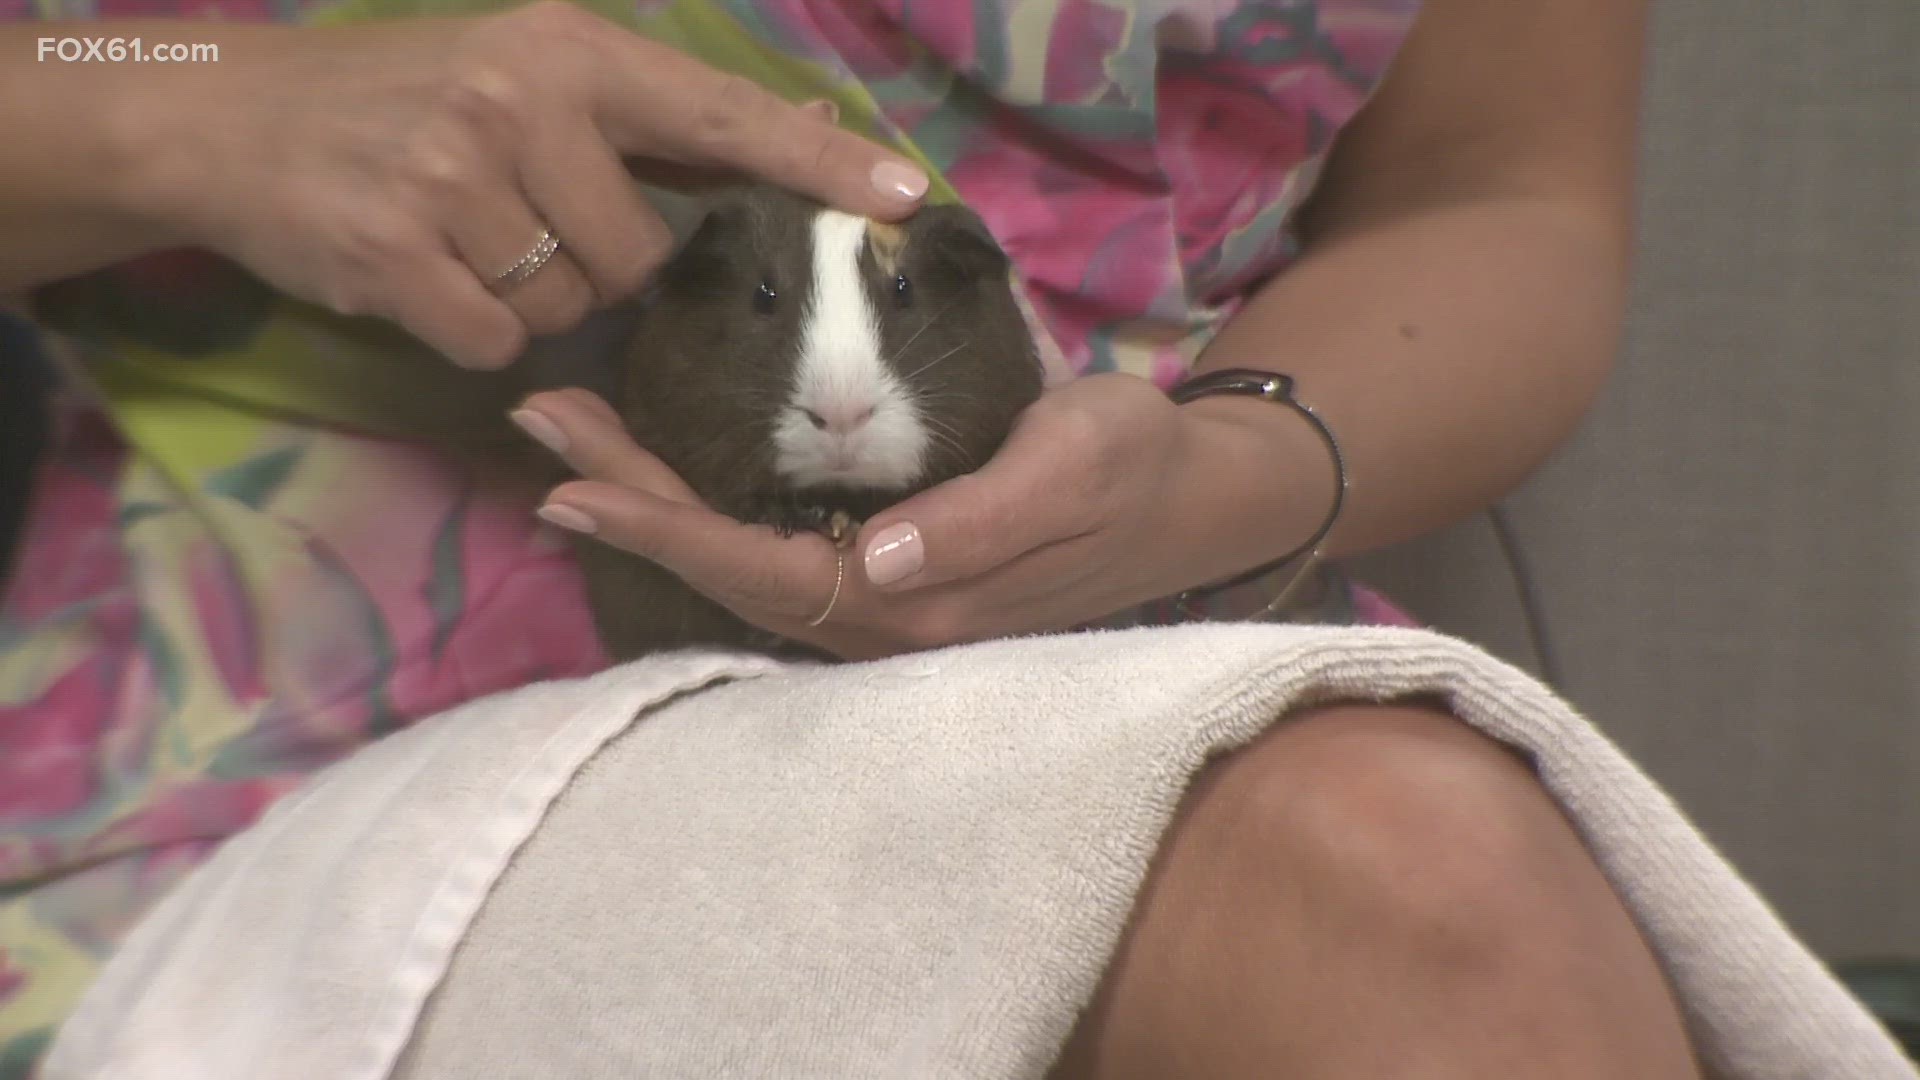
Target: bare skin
[392,169]
[1379,892]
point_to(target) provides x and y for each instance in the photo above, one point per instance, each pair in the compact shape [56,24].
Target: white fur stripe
[840,352]
[842,373]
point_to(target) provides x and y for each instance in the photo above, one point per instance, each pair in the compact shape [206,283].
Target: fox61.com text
[124,50]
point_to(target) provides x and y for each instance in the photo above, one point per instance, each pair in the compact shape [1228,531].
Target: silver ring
[529,264]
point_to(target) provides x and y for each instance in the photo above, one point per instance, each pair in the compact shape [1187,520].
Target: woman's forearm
[1451,350]
[1463,286]
[87,139]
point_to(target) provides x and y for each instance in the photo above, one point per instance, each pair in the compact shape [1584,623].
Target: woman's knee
[1389,881]
[1399,820]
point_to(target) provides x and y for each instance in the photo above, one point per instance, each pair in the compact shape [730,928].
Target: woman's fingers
[1050,482]
[407,272]
[585,191]
[657,102]
[586,433]
[451,147]
[745,567]
[516,257]
[444,305]
[564,174]
[506,242]
[637,504]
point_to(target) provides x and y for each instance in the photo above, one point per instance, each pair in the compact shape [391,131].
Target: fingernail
[567,518]
[899,180]
[543,430]
[895,552]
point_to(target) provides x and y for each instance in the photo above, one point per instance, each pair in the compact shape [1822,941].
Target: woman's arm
[82,141]
[396,168]
[1452,319]
[1460,299]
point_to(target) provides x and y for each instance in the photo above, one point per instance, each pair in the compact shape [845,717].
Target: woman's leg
[1381,892]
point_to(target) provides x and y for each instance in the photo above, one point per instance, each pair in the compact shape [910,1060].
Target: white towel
[916,868]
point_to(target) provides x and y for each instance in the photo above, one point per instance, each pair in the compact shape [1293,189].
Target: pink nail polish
[543,430]
[899,180]
[566,517]
[895,553]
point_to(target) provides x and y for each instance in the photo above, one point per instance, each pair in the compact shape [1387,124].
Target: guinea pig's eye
[763,298]
[902,290]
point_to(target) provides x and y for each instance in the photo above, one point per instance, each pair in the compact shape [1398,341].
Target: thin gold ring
[839,577]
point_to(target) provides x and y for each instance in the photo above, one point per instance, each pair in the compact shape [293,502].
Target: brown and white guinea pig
[794,361]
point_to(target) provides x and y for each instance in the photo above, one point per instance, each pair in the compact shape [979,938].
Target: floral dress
[235,572]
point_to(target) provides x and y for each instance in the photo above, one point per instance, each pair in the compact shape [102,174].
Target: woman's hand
[1105,495]
[396,169]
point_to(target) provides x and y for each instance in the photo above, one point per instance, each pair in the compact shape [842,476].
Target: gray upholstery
[1728,556]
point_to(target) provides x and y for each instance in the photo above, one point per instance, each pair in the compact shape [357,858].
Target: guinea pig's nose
[841,418]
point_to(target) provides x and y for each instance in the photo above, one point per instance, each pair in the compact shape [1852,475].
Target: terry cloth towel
[703,865]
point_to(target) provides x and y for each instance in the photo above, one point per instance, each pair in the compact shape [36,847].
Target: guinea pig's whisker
[954,445]
[951,396]
[716,454]
[954,407]
[940,425]
[941,438]
[757,397]
[937,359]
[934,318]
[945,434]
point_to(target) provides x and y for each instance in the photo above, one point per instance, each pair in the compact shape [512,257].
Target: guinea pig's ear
[723,213]
[703,264]
[953,231]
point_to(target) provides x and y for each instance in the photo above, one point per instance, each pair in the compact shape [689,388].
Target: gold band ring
[529,264]
[839,578]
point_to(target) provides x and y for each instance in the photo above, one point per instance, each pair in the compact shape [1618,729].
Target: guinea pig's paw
[787,515]
[841,527]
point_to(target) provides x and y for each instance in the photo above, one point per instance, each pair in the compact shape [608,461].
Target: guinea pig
[799,366]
